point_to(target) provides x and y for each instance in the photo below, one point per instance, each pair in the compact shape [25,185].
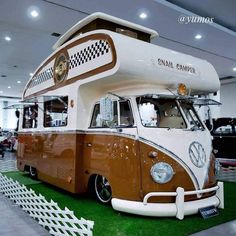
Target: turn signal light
[152,154]
[69,179]
[182,90]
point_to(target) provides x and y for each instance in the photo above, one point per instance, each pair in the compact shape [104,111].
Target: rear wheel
[33,172]
[102,189]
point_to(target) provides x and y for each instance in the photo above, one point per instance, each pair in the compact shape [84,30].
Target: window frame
[45,109]
[195,113]
[35,106]
[118,114]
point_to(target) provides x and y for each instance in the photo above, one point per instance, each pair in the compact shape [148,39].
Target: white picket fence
[58,222]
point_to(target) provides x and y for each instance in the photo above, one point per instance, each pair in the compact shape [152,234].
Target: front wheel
[102,189]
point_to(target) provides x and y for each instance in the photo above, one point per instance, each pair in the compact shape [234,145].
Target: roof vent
[56,34]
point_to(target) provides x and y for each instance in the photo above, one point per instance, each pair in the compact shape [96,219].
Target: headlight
[161,172]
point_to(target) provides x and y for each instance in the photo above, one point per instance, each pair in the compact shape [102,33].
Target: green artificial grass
[109,222]
[21,177]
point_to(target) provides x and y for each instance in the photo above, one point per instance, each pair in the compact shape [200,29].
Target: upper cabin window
[127,32]
[115,27]
[55,112]
[30,117]
[122,116]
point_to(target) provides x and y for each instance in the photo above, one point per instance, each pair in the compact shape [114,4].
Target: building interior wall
[8,118]
[228,100]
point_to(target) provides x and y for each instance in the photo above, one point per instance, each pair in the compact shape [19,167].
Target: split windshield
[166,113]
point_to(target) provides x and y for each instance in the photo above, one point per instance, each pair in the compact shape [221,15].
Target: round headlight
[161,172]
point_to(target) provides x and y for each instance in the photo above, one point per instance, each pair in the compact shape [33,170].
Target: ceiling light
[9,87]
[143,15]
[34,13]
[1,91]
[8,38]
[18,82]
[198,36]
[31,74]
[234,69]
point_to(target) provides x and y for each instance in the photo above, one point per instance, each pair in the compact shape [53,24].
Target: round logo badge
[197,154]
[61,68]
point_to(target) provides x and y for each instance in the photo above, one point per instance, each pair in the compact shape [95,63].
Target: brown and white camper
[111,111]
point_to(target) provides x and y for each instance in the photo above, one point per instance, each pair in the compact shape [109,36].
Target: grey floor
[227,229]
[8,163]
[15,222]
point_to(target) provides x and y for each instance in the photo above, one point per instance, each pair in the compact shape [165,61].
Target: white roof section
[100,15]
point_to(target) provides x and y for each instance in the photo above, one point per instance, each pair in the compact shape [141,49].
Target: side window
[30,117]
[96,118]
[126,116]
[55,112]
[97,122]
[122,116]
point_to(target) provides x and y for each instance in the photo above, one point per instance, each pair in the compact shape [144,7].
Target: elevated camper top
[99,20]
[108,59]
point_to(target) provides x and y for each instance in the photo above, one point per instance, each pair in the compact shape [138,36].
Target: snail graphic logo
[197,154]
[61,67]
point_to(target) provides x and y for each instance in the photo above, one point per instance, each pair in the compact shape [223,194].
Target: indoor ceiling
[31,40]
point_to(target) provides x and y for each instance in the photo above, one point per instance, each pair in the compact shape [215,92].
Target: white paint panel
[140,60]
[177,141]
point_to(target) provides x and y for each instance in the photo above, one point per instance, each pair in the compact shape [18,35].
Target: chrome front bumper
[178,209]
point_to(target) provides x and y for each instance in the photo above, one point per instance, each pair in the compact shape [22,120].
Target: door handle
[89,144]
[120,130]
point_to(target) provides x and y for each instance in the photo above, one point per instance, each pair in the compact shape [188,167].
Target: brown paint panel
[53,155]
[117,159]
[64,50]
[211,180]
[180,178]
[69,160]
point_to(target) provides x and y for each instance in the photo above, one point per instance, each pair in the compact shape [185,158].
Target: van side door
[111,150]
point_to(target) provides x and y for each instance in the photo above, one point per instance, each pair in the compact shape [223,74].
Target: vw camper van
[110,111]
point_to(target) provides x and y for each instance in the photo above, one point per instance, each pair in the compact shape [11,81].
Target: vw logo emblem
[197,154]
